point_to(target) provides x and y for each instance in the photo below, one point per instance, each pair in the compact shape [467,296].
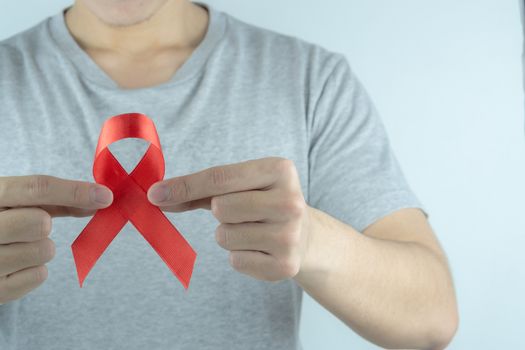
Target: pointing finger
[244,176]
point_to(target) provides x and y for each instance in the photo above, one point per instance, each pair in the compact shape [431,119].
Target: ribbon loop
[130,202]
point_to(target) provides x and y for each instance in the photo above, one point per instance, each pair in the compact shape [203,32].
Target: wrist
[328,249]
[315,261]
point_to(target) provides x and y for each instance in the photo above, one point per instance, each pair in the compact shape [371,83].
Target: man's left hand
[261,209]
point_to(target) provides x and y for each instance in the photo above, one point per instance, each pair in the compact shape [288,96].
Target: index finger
[35,190]
[218,180]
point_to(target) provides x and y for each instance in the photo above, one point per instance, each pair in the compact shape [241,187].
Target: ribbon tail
[167,241]
[95,238]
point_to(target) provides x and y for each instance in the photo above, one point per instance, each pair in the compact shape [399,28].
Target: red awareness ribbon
[130,202]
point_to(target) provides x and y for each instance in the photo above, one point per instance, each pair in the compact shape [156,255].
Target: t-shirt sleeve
[353,173]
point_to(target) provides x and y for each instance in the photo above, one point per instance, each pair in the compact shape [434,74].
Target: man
[275,136]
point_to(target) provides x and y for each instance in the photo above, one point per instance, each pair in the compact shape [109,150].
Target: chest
[141,71]
[200,124]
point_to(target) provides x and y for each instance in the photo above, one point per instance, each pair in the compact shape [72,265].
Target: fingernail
[158,193]
[101,195]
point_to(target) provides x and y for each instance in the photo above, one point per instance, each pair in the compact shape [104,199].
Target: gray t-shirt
[245,93]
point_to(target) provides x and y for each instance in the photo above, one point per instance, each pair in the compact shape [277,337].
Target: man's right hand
[27,204]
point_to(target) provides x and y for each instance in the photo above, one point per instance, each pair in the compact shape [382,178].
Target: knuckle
[284,166]
[217,206]
[252,200]
[44,223]
[227,239]
[289,239]
[39,186]
[220,235]
[293,206]
[77,193]
[220,176]
[289,267]
[40,274]
[181,190]
[238,262]
[8,258]
[45,250]
[11,222]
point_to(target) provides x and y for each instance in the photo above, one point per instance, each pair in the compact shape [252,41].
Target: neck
[177,25]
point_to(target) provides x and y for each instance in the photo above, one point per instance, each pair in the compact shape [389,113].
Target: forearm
[396,294]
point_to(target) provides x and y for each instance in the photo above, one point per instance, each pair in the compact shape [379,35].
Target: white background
[446,77]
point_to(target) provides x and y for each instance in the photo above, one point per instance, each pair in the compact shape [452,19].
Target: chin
[123,13]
